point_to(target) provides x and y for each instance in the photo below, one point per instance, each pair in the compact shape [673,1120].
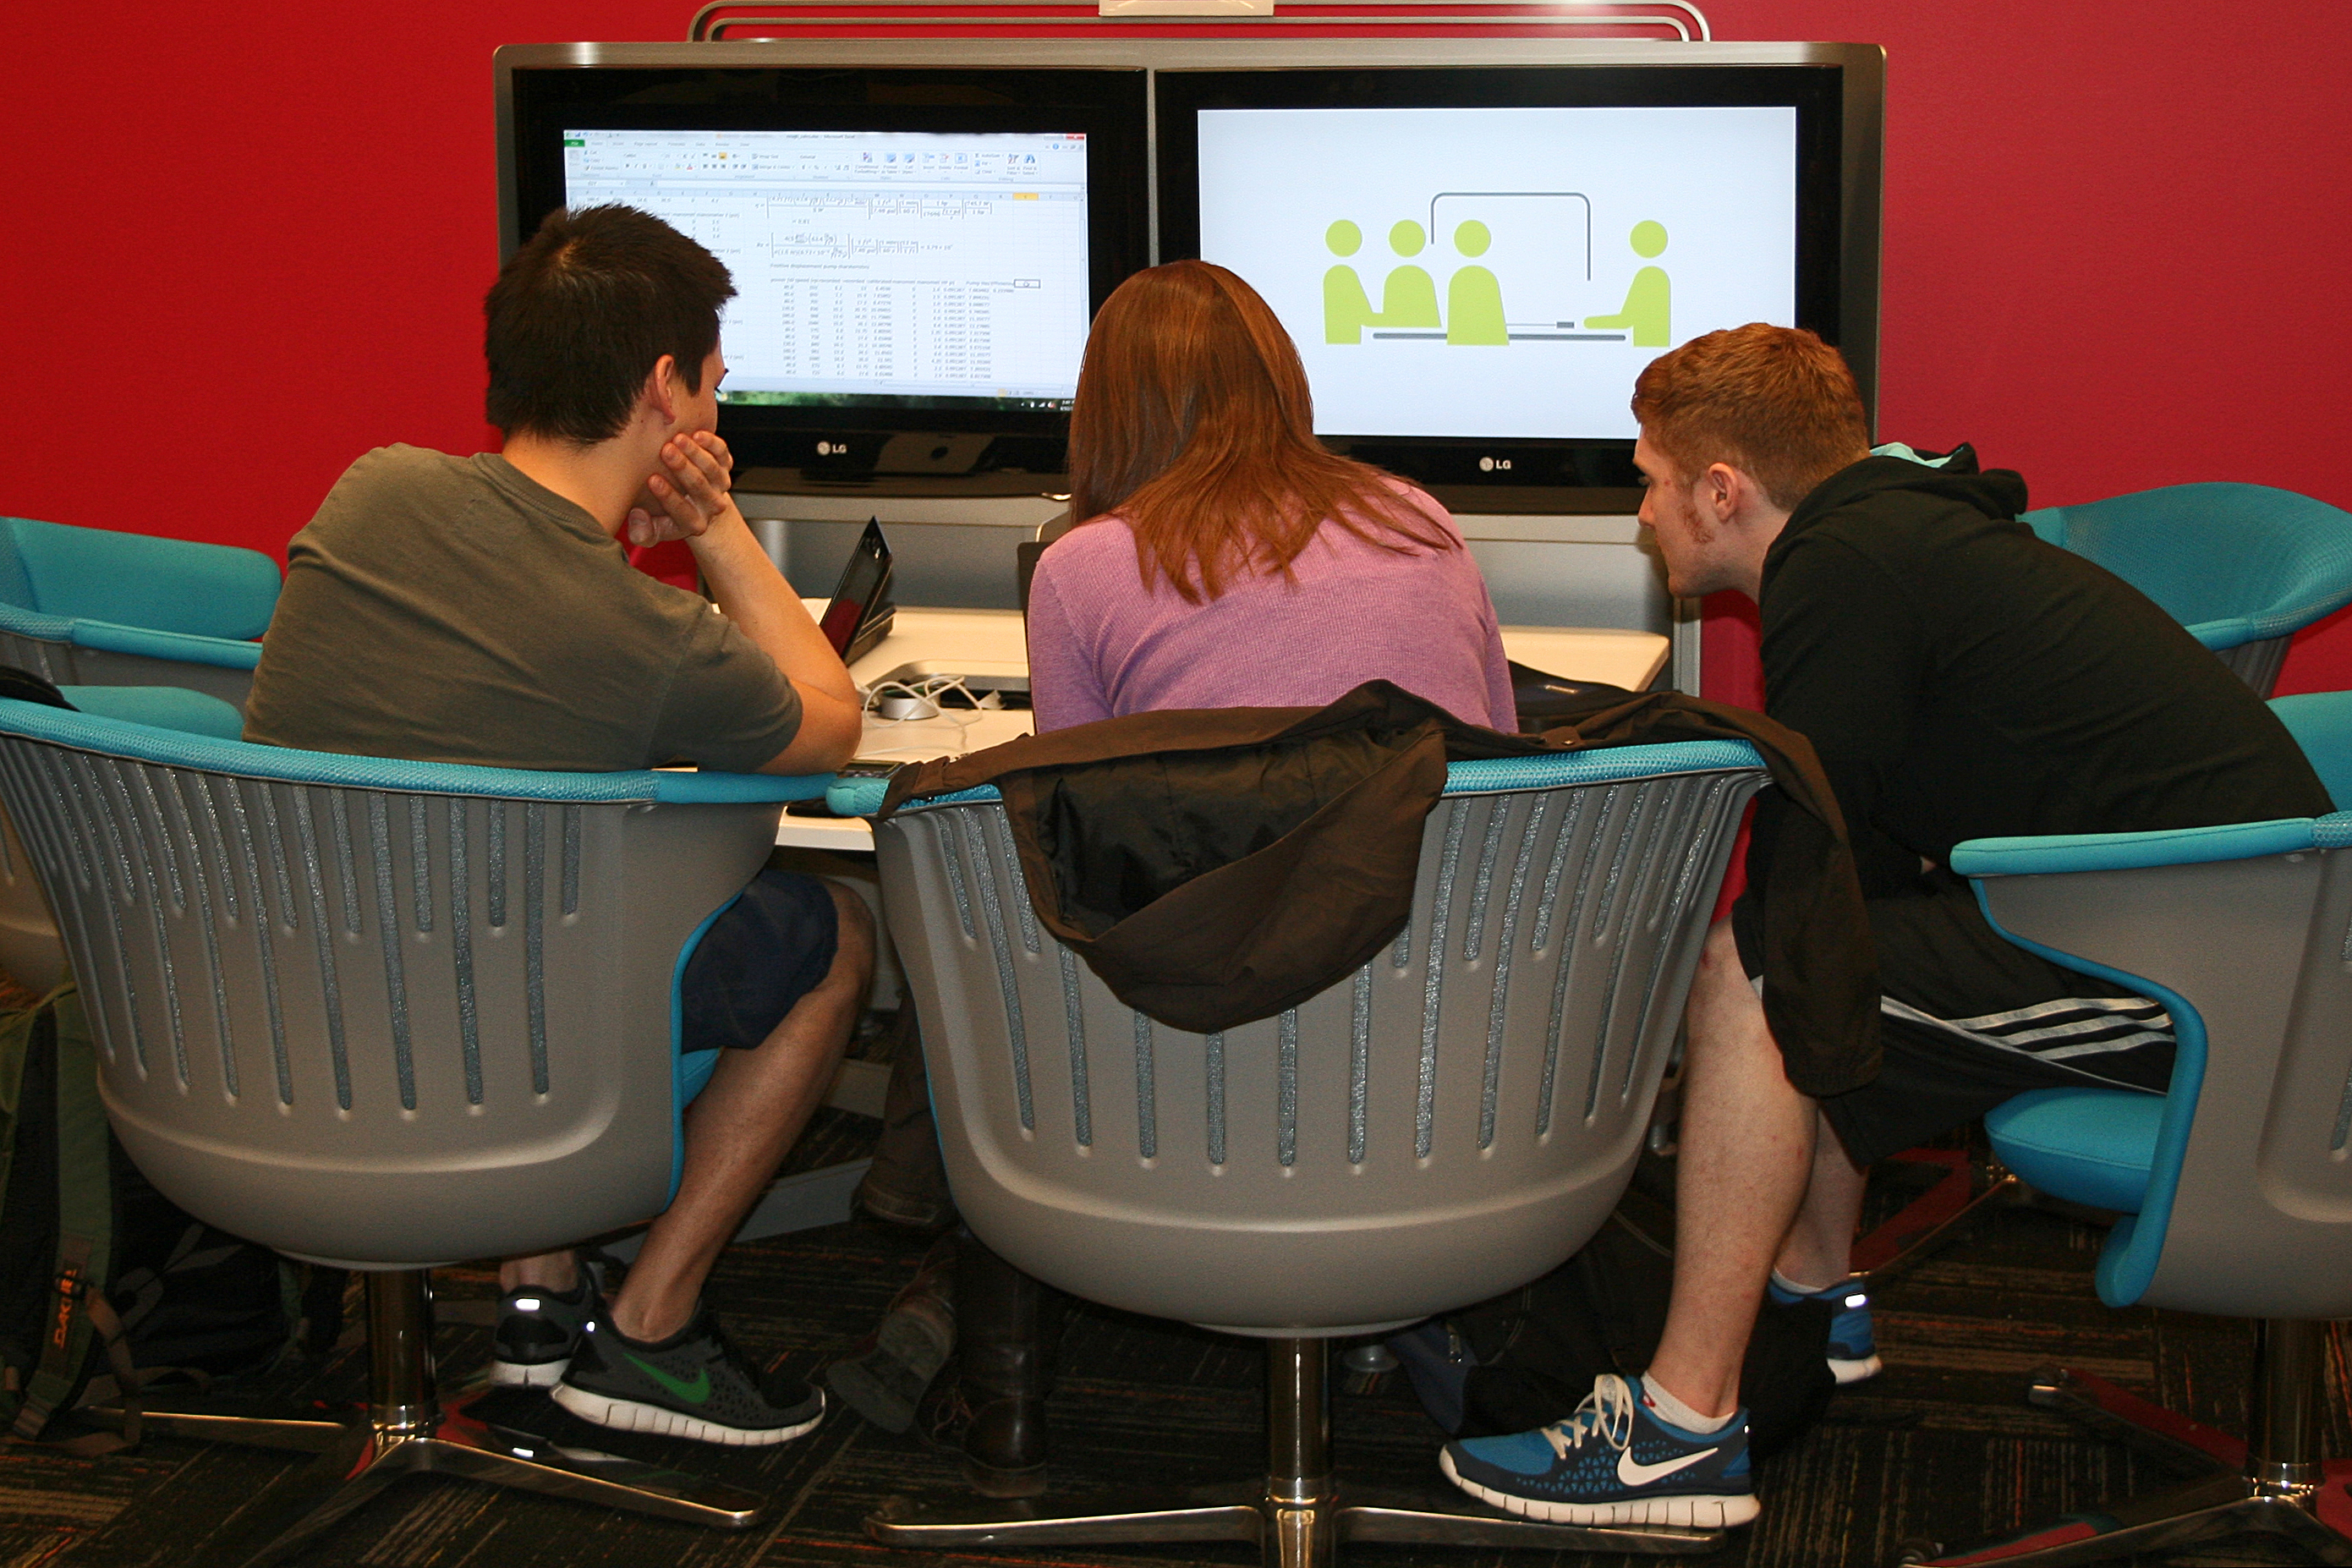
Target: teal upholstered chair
[91,606]
[386,1014]
[2244,567]
[2233,1188]
[152,631]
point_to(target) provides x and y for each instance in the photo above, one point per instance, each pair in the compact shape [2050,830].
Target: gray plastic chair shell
[2261,1224]
[30,953]
[1454,1119]
[378,1028]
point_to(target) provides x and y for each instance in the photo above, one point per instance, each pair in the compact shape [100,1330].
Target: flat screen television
[917,252]
[1476,242]
[1476,262]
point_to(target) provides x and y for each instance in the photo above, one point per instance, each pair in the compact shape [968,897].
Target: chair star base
[2218,1508]
[1298,1516]
[2283,1489]
[1973,1183]
[1292,1535]
[407,1431]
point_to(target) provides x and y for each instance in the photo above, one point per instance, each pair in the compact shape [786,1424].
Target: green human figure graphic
[1347,310]
[1649,301]
[1408,297]
[1473,299]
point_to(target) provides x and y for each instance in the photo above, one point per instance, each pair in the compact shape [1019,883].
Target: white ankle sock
[1794,1289]
[1680,1415]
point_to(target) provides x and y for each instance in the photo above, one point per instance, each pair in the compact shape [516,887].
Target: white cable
[929,690]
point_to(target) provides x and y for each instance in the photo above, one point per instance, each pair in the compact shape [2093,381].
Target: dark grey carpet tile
[1941,1447]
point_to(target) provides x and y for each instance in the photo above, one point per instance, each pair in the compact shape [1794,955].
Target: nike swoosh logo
[1629,1471]
[696,1392]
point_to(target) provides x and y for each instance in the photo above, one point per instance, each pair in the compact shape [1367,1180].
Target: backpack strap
[16,1027]
[85,1247]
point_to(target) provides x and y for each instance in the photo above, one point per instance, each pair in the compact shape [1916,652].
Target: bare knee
[1725,1013]
[1721,982]
[1719,961]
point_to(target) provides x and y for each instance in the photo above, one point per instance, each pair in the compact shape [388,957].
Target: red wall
[2117,239]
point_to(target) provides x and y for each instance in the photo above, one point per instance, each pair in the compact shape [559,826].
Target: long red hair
[1192,421]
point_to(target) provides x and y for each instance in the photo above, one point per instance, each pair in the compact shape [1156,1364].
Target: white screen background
[1722,182]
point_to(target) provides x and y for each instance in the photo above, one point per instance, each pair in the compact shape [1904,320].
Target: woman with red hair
[1224,558]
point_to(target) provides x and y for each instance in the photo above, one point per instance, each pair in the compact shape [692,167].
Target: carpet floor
[1941,1447]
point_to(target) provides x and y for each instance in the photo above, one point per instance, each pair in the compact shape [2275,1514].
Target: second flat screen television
[1477,263]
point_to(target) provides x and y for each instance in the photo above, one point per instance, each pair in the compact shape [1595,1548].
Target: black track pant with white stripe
[1968,1018]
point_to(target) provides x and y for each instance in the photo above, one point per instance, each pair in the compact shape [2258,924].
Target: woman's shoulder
[1421,501]
[1094,546]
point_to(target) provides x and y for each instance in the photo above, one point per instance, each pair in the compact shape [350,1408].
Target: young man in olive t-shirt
[482,610]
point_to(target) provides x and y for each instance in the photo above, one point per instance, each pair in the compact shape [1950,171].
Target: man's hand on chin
[687,494]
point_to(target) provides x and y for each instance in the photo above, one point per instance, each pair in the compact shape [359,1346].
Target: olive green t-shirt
[451,610]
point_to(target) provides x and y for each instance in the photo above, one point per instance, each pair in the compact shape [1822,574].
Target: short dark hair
[581,314]
[1775,403]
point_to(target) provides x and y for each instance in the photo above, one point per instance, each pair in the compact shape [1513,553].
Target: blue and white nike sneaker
[1854,1348]
[1614,1461]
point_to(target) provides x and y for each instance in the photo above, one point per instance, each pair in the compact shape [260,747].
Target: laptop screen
[861,591]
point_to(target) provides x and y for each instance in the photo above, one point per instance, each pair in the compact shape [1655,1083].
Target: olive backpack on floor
[100,1274]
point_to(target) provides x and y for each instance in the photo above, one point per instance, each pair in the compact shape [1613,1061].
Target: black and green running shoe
[695,1384]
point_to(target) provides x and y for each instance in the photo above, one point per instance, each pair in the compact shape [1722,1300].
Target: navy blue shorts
[766,951]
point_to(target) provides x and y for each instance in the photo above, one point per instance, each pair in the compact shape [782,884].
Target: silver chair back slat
[1446,1122]
[313,1004]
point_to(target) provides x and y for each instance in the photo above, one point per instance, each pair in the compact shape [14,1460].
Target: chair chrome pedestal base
[2277,1485]
[407,1431]
[1297,1515]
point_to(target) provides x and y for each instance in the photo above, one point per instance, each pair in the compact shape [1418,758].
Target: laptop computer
[860,612]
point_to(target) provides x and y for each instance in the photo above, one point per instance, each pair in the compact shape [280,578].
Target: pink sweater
[1102,646]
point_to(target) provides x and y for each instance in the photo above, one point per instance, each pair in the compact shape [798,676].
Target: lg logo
[1489,465]
[833,448]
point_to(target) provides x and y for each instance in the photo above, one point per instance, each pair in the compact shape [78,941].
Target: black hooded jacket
[1960,679]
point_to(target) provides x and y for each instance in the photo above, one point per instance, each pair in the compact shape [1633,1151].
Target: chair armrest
[679,787]
[2167,846]
[1546,770]
[142,742]
[857,797]
[185,647]
[25,623]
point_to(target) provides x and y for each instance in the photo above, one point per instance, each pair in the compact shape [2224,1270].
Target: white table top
[988,647]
